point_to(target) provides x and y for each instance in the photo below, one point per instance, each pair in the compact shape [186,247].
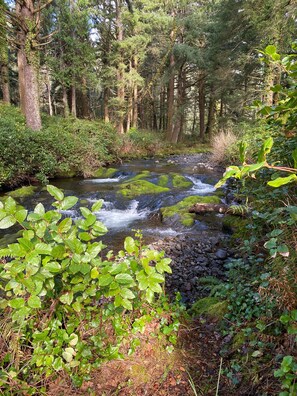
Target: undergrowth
[66,307]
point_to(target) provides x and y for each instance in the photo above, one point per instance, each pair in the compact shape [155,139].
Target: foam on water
[101,181]
[199,187]
[120,218]
[162,231]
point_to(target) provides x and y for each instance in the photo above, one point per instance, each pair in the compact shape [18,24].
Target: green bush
[65,305]
[63,146]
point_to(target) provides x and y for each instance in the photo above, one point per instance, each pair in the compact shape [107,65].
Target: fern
[241,210]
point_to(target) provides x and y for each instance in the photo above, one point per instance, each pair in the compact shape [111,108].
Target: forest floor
[192,369]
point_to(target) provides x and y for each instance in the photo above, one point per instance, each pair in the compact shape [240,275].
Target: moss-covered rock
[104,173]
[163,181]
[142,175]
[179,181]
[22,192]
[211,306]
[181,209]
[139,187]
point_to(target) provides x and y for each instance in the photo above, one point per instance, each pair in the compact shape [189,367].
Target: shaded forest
[180,67]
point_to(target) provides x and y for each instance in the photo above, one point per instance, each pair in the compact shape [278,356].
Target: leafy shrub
[63,145]
[65,305]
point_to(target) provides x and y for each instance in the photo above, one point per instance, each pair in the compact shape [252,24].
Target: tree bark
[73,101]
[170,99]
[21,58]
[105,104]
[65,102]
[49,96]
[85,107]
[201,91]
[5,82]
[211,116]
[120,71]
[135,99]
[179,119]
[218,208]
[28,62]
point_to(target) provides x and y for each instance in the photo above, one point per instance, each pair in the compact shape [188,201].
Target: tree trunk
[218,208]
[135,100]
[194,117]
[49,96]
[65,102]
[120,71]
[73,101]
[211,116]
[21,78]
[5,82]
[179,118]
[129,114]
[201,91]
[28,62]
[170,99]
[105,104]
[85,105]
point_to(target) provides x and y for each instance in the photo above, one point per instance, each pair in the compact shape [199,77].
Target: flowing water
[123,215]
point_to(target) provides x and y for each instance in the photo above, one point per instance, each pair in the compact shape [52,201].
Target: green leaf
[26,244]
[65,225]
[53,266]
[73,339]
[58,364]
[10,205]
[130,245]
[127,293]
[68,202]
[17,303]
[21,215]
[127,304]
[43,248]
[97,205]
[149,295]
[94,273]
[76,306]
[90,220]
[55,192]
[67,355]
[34,302]
[85,211]
[242,151]
[66,298]
[58,252]
[105,280]
[85,236]
[270,50]
[124,279]
[99,228]
[280,181]
[283,250]
[94,249]
[162,266]
[7,222]
[39,209]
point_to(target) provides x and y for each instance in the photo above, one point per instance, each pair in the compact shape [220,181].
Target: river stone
[221,254]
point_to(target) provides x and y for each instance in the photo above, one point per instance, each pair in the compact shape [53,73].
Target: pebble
[193,258]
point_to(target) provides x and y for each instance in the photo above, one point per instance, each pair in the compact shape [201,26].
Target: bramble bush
[65,306]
